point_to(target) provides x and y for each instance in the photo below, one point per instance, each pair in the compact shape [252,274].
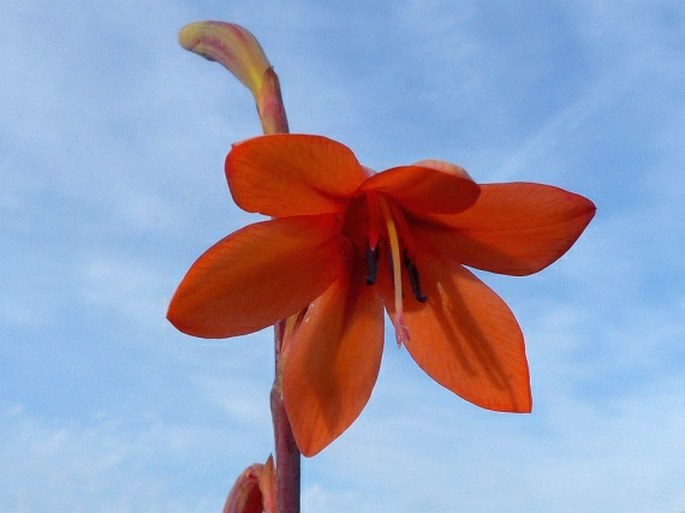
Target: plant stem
[239,52]
[270,105]
[287,452]
[273,118]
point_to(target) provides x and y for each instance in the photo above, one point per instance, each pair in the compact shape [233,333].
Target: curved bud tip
[267,485]
[232,46]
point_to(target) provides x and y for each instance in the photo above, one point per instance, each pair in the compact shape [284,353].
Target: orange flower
[343,243]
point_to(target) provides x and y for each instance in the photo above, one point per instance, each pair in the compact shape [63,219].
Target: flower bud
[254,491]
[239,51]
[232,46]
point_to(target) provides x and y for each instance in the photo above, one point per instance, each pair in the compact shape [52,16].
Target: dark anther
[371,265]
[414,278]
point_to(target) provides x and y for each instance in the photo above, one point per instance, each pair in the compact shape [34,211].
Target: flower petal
[257,276]
[332,364]
[289,174]
[422,189]
[465,337]
[245,495]
[513,228]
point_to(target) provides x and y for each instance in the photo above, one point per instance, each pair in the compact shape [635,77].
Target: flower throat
[385,218]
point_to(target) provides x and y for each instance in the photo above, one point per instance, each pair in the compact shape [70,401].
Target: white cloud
[101,465]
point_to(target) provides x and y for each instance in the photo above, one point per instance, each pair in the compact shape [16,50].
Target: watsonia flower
[344,243]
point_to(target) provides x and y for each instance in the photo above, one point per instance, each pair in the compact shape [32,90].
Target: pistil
[401,331]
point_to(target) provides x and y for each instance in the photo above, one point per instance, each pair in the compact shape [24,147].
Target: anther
[414,278]
[371,265]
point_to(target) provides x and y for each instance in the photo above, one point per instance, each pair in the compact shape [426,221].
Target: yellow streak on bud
[231,45]
[239,51]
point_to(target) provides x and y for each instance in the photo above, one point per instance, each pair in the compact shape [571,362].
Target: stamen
[414,278]
[371,265]
[401,331]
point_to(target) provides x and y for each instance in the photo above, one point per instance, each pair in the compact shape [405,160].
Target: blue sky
[112,140]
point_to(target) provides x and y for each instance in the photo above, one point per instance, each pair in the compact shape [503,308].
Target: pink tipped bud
[240,52]
[231,45]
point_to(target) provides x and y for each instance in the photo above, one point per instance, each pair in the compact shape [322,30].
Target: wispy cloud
[103,464]
[113,141]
